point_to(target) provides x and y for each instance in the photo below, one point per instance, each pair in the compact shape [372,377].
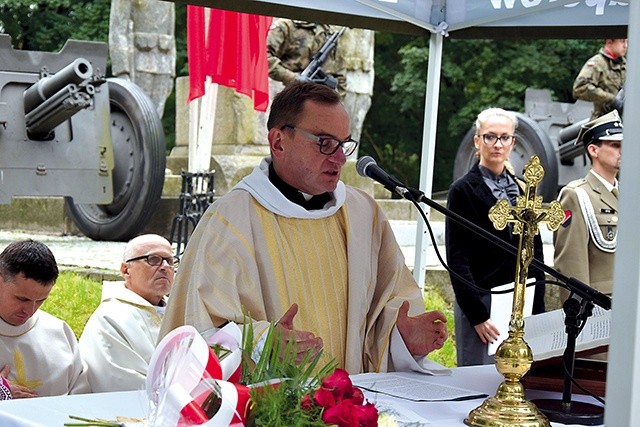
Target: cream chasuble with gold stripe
[254,252]
[320,274]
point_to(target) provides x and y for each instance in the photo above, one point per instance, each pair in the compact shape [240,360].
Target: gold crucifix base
[509,407]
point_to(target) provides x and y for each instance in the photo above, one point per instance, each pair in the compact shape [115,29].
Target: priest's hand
[487,331]
[303,341]
[17,391]
[423,333]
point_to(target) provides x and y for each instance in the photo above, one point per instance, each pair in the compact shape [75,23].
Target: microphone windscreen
[363,163]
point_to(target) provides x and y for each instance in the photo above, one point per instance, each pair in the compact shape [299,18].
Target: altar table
[55,411]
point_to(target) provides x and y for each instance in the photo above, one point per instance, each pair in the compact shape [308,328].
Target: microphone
[367,167]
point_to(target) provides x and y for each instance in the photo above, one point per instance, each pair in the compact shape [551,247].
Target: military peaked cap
[604,128]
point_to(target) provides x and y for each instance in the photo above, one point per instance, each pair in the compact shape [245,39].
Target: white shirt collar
[606,183]
[258,185]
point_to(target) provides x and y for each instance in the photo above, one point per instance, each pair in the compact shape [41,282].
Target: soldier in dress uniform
[601,78]
[585,243]
[290,46]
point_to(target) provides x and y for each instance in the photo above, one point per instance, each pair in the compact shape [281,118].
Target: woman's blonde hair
[485,115]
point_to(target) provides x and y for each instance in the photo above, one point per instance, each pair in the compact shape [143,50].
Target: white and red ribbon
[184,371]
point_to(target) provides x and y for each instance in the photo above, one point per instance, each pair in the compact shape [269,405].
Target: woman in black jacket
[473,257]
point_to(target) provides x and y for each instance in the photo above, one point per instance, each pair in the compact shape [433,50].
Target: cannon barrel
[57,109]
[75,73]
[569,150]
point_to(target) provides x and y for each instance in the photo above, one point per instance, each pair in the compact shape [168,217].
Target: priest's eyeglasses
[156,260]
[491,139]
[328,145]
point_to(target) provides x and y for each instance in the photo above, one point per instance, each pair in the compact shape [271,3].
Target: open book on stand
[545,334]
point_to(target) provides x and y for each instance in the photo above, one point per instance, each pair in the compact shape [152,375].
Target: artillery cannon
[66,130]
[547,129]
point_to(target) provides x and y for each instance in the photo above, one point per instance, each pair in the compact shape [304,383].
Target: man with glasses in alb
[120,336]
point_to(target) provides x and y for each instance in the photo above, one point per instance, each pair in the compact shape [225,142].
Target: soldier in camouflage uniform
[290,46]
[602,77]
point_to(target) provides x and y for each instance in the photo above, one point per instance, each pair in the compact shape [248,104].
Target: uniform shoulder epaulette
[576,183]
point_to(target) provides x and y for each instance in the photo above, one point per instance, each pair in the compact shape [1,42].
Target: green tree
[476,74]
[46,25]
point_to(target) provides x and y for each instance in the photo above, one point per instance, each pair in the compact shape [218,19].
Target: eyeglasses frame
[176,260]
[321,141]
[512,138]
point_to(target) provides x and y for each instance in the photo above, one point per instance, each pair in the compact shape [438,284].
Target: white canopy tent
[513,18]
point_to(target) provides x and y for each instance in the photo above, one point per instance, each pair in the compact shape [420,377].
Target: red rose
[357,397]
[342,415]
[367,415]
[306,403]
[323,397]
[339,382]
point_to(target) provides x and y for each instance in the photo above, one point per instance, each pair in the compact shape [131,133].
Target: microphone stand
[576,286]
[565,411]
[576,314]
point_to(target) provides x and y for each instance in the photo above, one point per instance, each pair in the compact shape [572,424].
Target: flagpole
[202,118]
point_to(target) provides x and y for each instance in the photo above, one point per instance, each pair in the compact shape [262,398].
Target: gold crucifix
[514,356]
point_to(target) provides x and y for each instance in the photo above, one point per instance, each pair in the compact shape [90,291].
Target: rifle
[314,72]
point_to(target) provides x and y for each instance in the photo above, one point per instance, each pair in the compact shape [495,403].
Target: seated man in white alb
[39,353]
[120,336]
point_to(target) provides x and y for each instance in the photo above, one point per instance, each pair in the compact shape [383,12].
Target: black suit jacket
[473,257]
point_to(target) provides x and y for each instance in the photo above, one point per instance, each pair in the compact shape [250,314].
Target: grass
[73,299]
[447,354]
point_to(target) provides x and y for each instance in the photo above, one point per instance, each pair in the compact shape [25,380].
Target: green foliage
[46,25]
[279,405]
[389,134]
[73,299]
[476,74]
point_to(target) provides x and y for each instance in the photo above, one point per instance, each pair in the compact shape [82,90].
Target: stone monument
[142,46]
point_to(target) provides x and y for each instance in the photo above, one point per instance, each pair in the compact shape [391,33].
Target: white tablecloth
[55,411]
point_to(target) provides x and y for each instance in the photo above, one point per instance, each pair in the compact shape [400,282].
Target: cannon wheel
[139,164]
[530,140]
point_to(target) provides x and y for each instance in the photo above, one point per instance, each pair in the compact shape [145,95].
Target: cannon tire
[530,140]
[139,165]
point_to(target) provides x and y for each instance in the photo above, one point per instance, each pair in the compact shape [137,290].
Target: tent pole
[623,376]
[432,96]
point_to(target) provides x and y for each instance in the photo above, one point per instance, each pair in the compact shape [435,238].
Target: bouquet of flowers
[226,387]
[214,382]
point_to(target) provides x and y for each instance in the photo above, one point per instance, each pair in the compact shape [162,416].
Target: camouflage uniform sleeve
[277,40]
[588,84]
[341,76]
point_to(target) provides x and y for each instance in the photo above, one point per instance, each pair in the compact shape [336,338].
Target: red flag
[196,51]
[234,53]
